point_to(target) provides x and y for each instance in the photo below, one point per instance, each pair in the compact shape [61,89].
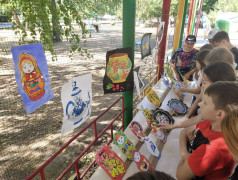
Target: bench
[170,150]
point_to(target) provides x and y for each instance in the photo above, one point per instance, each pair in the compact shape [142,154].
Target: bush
[4,18]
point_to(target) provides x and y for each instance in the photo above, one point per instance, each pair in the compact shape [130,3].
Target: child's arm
[194,106]
[183,124]
[188,74]
[172,65]
[192,91]
[184,172]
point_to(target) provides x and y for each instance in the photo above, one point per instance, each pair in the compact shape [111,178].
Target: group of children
[204,146]
[209,140]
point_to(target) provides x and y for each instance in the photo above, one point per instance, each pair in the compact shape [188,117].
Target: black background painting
[146,52]
[128,85]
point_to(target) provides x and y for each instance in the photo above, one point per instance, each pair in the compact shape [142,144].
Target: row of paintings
[33,82]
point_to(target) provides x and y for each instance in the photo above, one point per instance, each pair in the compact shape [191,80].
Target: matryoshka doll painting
[125,145]
[143,164]
[32,79]
[32,76]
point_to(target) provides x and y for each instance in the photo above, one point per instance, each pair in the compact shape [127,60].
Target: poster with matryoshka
[143,164]
[125,145]
[32,76]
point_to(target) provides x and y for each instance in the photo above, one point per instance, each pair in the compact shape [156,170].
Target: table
[170,150]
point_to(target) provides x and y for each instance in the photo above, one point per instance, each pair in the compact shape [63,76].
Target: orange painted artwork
[32,76]
[143,164]
[32,80]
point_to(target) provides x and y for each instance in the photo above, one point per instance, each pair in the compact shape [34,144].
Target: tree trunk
[14,14]
[55,23]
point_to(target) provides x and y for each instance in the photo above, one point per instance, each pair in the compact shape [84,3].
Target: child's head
[217,98]
[207,47]
[220,54]
[150,175]
[217,71]
[201,56]
[229,127]
[221,38]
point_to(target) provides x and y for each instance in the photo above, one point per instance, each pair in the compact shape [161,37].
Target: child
[216,71]
[207,47]
[222,39]
[183,60]
[229,128]
[211,35]
[200,64]
[150,175]
[220,54]
[210,157]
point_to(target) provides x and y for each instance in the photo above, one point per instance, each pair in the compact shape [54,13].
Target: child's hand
[172,65]
[187,75]
[191,134]
[182,89]
[166,126]
[177,77]
[186,118]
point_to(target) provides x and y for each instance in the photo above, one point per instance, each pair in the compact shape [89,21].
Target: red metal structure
[40,170]
[190,16]
[162,46]
[198,18]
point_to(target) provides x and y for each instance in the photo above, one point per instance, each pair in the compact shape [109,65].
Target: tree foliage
[99,7]
[223,6]
[208,5]
[147,9]
[52,20]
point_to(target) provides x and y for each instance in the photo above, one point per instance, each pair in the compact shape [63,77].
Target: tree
[52,20]
[208,5]
[224,6]
[147,9]
[100,7]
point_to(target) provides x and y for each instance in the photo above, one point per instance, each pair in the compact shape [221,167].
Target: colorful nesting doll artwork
[178,93]
[32,76]
[119,71]
[143,164]
[76,98]
[145,45]
[161,117]
[153,97]
[178,106]
[111,163]
[125,145]
[137,129]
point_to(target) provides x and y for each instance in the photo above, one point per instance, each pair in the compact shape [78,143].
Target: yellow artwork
[153,97]
[118,67]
